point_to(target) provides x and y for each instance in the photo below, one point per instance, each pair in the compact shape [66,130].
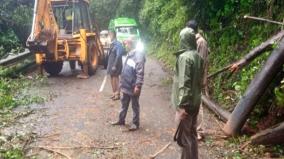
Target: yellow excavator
[63,30]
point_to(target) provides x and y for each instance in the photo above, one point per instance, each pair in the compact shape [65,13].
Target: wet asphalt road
[79,116]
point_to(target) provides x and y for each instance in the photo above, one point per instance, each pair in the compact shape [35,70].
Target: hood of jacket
[187,41]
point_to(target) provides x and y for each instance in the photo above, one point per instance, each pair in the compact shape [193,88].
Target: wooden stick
[243,146]
[214,134]
[54,151]
[78,147]
[160,151]
[220,71]
[263,19]
[48,136]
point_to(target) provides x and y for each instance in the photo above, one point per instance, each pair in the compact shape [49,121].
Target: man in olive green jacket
[186,95]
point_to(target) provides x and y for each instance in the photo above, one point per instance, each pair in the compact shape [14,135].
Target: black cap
[192,24]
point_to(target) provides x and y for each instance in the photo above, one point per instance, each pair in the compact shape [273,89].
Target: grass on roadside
[14,93]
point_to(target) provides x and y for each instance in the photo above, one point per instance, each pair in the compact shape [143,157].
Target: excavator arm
[43,37]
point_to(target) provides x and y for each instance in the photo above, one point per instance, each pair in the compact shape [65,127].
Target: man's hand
[113,68]
[234,68]
[137,91]
[181,114]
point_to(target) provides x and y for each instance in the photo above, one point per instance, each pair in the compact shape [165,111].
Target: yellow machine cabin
[63,30]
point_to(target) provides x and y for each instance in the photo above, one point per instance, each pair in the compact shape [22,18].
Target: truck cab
[125,28]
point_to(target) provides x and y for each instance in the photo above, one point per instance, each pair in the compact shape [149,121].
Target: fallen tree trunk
[263,47]
[269,136]
[257,87]
[223,114]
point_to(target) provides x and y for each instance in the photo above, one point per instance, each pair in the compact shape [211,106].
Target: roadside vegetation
[15,24]
[230,37]
[16,93]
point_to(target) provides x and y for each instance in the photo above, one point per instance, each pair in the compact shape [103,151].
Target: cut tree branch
[223,114]
[263,19]
[160,151]
[263,47]
[54,151]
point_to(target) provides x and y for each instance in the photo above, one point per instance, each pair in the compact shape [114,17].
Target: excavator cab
[72,16]
[63,31]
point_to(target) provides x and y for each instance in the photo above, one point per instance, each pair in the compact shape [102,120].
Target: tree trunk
[257,87]
[274,135]
[265,46]
[223,114]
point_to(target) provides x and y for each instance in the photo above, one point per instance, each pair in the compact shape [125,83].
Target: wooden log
[263,47]
[223,114]
[274,135]
[257,87]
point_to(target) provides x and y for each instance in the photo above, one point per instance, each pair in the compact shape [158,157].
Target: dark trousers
[125,100]
[189,137]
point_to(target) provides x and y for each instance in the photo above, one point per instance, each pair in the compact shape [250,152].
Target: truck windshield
[127,30]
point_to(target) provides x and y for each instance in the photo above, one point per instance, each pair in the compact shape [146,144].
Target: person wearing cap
[202,49]
[132,79]
[114,67]
[186,94]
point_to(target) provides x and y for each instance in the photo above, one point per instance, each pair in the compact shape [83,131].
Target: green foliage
[128,8]
[163,20]
[229,35]
[279,94]
[105,10]
[8,43]
[278,150]
[12,93]
[15,24]
[12,154]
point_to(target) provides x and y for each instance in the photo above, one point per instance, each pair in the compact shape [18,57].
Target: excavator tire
[53,68]
[93,58]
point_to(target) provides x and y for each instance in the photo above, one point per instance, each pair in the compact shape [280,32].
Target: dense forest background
[229,35]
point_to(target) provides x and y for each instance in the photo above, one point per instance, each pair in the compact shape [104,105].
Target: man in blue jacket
[132,78]
[114,67]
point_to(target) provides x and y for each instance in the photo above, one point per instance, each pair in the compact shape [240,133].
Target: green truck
[125,28]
